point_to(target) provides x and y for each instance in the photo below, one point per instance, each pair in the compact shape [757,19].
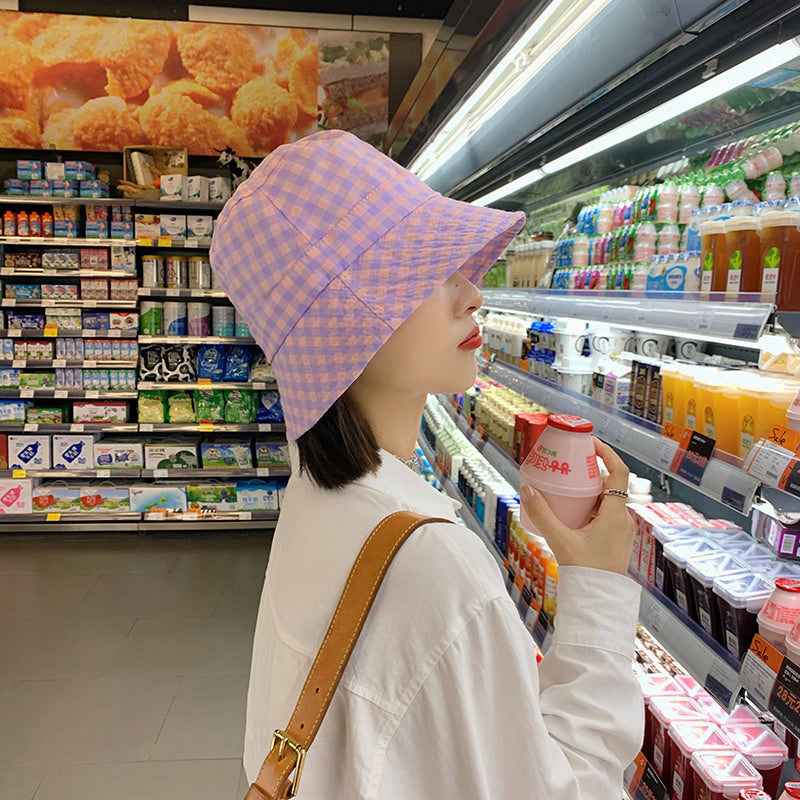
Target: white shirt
[442,697]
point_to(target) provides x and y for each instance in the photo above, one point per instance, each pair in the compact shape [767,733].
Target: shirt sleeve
[487,723]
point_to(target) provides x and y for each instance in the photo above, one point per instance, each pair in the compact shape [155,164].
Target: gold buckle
[281,738]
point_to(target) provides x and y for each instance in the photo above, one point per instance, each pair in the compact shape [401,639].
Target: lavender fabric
[328,247]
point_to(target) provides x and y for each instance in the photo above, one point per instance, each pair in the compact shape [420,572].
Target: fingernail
[527,492]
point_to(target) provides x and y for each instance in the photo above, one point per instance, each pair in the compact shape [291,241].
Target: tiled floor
[124,664]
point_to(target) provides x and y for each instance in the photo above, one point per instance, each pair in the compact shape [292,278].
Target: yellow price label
[206,426]
[165,241]
[54,516]
[19,473]
[51,330]
[145,241]
[204,381]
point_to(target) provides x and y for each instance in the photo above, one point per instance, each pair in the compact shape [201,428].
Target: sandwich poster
[103,83]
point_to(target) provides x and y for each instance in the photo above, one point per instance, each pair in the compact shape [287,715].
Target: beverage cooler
[655,292]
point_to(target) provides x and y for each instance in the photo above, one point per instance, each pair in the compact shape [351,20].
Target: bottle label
[677,781]
[705,282]
[769,277]
[735,272]
[733,642]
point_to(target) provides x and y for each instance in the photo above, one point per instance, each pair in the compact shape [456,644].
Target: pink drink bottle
[563,466]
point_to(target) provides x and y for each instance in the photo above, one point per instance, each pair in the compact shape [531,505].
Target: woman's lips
[473,341]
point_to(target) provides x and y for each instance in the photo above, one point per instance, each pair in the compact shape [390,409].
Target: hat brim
[375,294]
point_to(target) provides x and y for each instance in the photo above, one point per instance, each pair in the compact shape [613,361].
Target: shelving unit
[258,385]
[53,272]
[200,294]
[9,302]
[196,340]
[83,333]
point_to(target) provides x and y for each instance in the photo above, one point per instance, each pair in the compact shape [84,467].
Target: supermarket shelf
[233,473]
[175,242]
[723,482]
[63,241]
[67,474]
[705,659]
[64,394]
[29,363]
[9,302]
[80,523]
[783,502]
[41,200]
[196,340]
[54,272]
[85,333]
[701,318]
[210,294]
[68,427]
[188,205]
[258,385]
[212,427]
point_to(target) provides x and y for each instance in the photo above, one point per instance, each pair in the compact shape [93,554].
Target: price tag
[53,516]
[103,473]
[160,473]
[262,472]
[206,426]
[31,427]
[19,363]
[51,330]
[49,301]
[165,241]
[146,385]
[90,363]
[664,453]
[114,333]
[14,332]
[92,394]
[692,456]
[173,292]
[703,320]
[259,385]
[145,427]
[26,391]
[18,473]
[89,333]
[264,427]
[76,427]
[145,241]
[59,362]
[9,302]
[774,459]
[143,291]
[615,431]
[606,312]
[60,394]
[192,242]
[204,381]
[642,781]
[672,431]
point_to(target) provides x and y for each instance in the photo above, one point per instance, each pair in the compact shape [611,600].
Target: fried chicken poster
[102,83]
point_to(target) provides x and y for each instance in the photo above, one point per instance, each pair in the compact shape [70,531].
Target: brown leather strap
[275,777]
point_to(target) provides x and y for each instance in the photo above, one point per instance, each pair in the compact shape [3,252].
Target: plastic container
[713,256]
[739,599]
[793,643]
[741,715]
[666,711]
[662,577]
[686,739]
[780,258]
[677,556]
[702,571]
[153,271]
[743,248]
[198,317]
[763,403]
[780,612]
[563,466]
[763,749]
[577,378]
[655,685]
[175,323]
[721,775]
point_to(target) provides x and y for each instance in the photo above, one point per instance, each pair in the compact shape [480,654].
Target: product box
[73,451]
[199,227]
[257,496]
[65,188]
[94,258]
[219,189]
[95,320]
[94,188]
[123,321]
[28,452]
[222,455]
[118,455]
[171,456]
[79,170]
[121,229]
[197,189]
[99,411]
[149,497]
[12,412]
[63,499]
[3,451]
[272,454]
[15,496]
[173,187]
[28,169]
[41,188]
[104,498]
[123,256]
[173,225]
[147,225]
[65,228]
[55,170]
[217,496]
[16,186]
[97,229]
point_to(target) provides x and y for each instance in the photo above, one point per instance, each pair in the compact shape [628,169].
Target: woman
[358,281]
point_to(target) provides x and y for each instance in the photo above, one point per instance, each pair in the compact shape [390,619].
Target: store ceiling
[428,9]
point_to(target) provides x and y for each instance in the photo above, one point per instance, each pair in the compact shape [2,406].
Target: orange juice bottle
[550,583]
[726,413]
[669,382]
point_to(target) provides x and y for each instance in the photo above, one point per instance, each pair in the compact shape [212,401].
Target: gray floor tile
[43,595]
[148,595]
[206,720]
[244,785]
[176,646]
[35,649]
[245,557]
[83,719]
[240,598]
[149,780]
[20,781]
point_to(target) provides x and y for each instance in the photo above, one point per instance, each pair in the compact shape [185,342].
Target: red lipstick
[473,341]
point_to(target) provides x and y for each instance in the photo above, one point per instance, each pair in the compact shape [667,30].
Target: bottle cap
[788,584]
[566,422]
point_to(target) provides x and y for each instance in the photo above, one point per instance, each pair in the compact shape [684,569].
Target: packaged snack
[226,454]
[147,498]
[178,364]
[104,498]
[179,407]
[257,496]
[269,407]
[170,456]
[63,499]
[118,455]
[237,363]
[29,452]
[215,496]
[150,362]
[241,406]
[151,406]
[209,405]
[211,361]
[97,411]
[15,496]
[73,451]
[261,369]
[272,454]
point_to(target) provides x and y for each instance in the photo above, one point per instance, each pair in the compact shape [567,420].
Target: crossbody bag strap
[280,773]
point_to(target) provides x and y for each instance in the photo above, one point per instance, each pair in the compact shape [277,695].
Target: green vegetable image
[708,262]
[772,260]
[735,260]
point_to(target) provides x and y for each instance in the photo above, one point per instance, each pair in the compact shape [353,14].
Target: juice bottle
[743,248]
[682,384]
[706,389]
[763,404]
[712,239]
[726,413]
[780,258]
[9,223]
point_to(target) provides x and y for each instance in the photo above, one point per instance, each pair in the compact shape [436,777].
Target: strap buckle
[282,739]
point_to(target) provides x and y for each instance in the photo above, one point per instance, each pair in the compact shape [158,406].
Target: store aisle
[124,663]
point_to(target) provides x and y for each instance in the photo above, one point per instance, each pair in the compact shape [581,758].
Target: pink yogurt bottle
[563,466]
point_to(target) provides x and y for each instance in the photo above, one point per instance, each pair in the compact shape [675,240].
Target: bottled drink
[743,249]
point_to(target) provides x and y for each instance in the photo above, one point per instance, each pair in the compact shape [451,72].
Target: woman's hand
[606,542]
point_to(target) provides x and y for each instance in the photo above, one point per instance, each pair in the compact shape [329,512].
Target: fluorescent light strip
[748,70]
[497,88]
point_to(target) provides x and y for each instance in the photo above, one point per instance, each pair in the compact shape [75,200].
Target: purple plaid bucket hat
[328,247]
